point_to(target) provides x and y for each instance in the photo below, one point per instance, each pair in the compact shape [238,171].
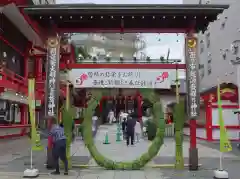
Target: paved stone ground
[12,166]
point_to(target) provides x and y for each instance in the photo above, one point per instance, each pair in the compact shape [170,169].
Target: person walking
[138,131]
[59,146]
[130,127]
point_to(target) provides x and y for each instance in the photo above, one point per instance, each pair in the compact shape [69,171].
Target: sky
[157,44]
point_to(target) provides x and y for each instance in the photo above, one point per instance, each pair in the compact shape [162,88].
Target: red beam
[118,30]
[227,106]
[11,136]
[128,66]
[11,45]
[227,127]
[8,85]
[10,80]
[15,126]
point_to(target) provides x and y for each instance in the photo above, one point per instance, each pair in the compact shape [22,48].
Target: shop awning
[12,12]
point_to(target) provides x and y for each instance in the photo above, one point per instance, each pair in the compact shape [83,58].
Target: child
[138,131]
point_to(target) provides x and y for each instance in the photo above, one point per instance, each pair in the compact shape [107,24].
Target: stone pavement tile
[71,175]
[21,163]
[14,146]
[78,148]
[168,149]
[123,174]
[153,174]
[11,149]
[138,174]
[185,174]
[96,174]
[109,174]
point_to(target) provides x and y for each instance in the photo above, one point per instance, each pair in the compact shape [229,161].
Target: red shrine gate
[119,19]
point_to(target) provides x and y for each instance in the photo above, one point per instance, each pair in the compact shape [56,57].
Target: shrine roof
[214,88]
[111,16]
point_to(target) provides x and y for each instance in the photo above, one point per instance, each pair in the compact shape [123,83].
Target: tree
[179,119]
[81,52]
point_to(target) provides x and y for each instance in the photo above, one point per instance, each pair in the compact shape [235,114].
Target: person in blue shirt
[59,146]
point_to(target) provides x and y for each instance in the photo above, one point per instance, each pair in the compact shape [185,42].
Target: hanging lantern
[121,58]
[107,58]
[94,59]
[80,58]
[135,58]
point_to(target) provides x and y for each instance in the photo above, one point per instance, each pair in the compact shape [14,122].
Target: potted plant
[148,59]
[162,60]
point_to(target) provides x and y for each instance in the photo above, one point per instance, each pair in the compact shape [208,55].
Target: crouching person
[59,146]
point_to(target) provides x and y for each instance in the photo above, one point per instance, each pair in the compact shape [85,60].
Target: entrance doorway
[119,100]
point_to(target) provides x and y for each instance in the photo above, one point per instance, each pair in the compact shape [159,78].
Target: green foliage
[179,119]
[151,130]
[81,50]
[142,160]
[179,115]
[67,118]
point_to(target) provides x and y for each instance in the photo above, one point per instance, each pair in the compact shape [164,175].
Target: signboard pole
[193,95]
[52,87]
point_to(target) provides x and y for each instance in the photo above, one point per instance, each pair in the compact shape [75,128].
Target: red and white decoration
[122,78]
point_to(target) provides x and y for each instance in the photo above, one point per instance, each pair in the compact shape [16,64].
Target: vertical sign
[52,77]
[192,74]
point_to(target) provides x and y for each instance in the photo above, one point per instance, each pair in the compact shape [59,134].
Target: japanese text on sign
[192,70]
[121,83]
[112,74]
[52,81]
[122,78]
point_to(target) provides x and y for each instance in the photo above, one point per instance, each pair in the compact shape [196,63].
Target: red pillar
[208,117]
[139,106]
[193,133]
[38,68]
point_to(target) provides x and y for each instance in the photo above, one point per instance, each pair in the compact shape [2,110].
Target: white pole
[221,161]
[31,159]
